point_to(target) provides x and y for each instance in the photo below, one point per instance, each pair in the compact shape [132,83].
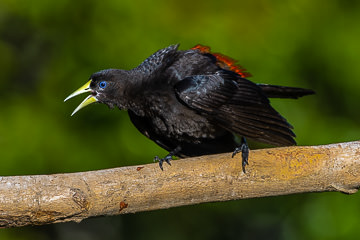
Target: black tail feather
[274,91]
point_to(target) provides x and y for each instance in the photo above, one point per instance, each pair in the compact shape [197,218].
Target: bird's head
[106,86]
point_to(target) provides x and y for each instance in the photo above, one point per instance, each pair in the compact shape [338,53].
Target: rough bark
[44,199]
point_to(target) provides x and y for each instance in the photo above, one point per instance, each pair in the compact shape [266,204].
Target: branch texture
[44,199]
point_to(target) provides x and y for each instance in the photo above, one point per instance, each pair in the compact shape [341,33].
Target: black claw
[166,159]
[244,149]
[160,160]
[236,151]
[160,165]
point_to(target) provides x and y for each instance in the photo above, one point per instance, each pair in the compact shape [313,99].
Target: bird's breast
[171,118]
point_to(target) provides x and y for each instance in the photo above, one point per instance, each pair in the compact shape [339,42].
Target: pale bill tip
[70,96]
[87,101]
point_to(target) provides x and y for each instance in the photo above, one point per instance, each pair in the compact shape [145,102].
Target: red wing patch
[201,48]
[224,62]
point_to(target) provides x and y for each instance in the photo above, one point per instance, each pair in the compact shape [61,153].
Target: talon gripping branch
[192,102]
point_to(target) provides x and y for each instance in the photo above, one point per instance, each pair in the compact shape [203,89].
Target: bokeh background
[50,48]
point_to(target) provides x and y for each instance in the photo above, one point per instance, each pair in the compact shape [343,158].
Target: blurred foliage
[50,48]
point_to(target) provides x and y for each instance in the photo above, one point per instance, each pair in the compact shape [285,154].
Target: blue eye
[102,84]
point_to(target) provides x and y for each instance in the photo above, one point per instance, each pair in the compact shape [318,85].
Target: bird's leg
[244,149]
[167,158]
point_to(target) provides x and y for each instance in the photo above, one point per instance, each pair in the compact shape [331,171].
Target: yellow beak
[90,99]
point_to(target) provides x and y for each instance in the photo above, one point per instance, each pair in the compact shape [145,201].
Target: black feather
[274,91]
[185,100]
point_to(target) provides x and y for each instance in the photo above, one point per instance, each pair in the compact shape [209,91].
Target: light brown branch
[44,199]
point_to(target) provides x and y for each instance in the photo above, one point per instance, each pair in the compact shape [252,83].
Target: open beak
[89,100]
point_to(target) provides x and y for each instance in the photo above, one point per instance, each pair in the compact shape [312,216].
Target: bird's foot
[244,149]
[166,159]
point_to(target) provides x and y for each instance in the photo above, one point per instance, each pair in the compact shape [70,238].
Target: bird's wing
[237,105]
[158,61]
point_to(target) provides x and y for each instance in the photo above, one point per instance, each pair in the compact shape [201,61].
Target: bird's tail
[274,91]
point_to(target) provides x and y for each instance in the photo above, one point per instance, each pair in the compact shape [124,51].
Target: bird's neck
[130,90]
[142,80]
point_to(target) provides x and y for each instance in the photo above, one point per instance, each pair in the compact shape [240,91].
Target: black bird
[192,102]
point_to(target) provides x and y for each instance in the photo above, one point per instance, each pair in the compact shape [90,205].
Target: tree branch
[44,199]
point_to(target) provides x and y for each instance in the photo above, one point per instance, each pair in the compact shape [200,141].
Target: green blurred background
[50,48]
